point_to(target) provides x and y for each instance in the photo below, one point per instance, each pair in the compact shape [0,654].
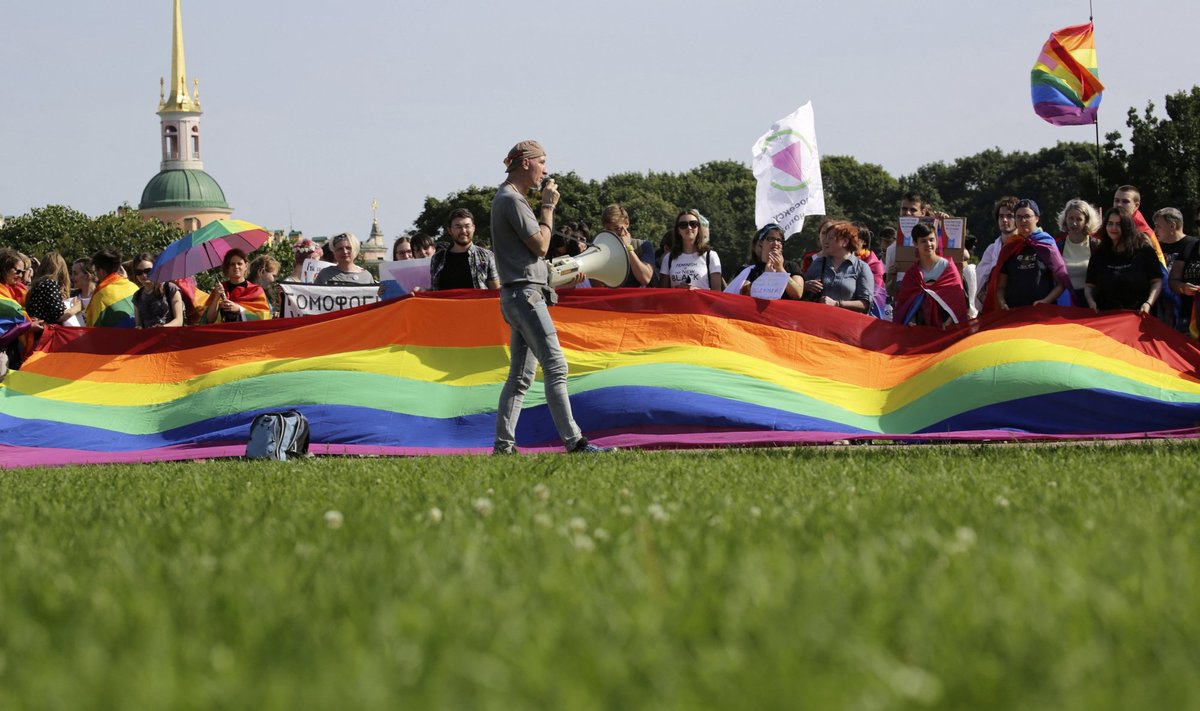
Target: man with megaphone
[520,240]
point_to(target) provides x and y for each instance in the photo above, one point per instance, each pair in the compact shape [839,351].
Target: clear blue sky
[314,108]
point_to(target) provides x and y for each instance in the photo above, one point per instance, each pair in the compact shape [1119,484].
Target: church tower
[182,193]
[374,249]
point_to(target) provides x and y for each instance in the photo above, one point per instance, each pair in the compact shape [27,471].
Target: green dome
[184,188]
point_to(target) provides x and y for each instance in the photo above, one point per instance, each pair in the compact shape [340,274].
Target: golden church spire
[177,98]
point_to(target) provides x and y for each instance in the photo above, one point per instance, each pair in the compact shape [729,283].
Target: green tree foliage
[75,235]
[969,186]
[859,192]
[1165,164]
[723,191]
[432,220]
[1165,160]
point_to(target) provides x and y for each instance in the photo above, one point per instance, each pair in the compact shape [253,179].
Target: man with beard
[464,264]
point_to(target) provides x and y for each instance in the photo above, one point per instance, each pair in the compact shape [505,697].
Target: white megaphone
[605,261]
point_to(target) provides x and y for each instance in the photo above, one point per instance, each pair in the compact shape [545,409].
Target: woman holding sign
[766,255]
[931,293]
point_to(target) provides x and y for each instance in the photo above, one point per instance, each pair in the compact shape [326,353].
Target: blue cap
[1029,204]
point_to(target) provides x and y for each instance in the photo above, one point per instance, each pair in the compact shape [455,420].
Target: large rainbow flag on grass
[649,368]
[1066,82]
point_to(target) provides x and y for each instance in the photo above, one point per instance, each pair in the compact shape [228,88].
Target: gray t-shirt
[331,275]
[512,221]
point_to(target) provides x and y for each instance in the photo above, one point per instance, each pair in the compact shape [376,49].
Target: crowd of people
[1099,259]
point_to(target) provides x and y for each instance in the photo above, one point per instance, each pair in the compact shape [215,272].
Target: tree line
[1162,159]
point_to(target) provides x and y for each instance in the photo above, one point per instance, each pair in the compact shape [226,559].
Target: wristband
[629,247]
[547,226]
[547,206]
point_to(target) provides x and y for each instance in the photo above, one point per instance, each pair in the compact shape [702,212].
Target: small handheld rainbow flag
[1066,85]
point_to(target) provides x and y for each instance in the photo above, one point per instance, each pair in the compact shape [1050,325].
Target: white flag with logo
[788,168]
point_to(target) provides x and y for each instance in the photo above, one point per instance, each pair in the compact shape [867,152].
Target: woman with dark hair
[691,264]
[1124,273]
[837,277]
[423,246]
[766,255]
[154,304]
[50,297]
[402,248]
[236,298]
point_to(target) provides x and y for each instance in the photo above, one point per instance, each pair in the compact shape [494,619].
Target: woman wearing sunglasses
[766,255]
[154,304]
[691,264]
[15,324]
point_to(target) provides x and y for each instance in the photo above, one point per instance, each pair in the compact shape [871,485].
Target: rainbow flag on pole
[1066,84]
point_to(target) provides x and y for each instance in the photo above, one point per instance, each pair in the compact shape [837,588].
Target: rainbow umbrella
[205,248]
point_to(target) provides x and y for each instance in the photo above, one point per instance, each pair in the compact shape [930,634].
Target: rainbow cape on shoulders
[112,303]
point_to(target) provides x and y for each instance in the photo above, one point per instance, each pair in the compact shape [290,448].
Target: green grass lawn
[863,578]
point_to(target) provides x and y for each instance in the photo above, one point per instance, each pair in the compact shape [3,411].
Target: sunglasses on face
[688,225]
[142,272]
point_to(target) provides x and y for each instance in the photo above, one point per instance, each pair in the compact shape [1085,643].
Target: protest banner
[309,300]
[787,166]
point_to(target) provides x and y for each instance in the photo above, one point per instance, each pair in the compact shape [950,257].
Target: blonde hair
[1091,215]
[347,237]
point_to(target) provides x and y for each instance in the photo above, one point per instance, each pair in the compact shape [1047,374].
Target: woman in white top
[1078,221]
[691,264]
